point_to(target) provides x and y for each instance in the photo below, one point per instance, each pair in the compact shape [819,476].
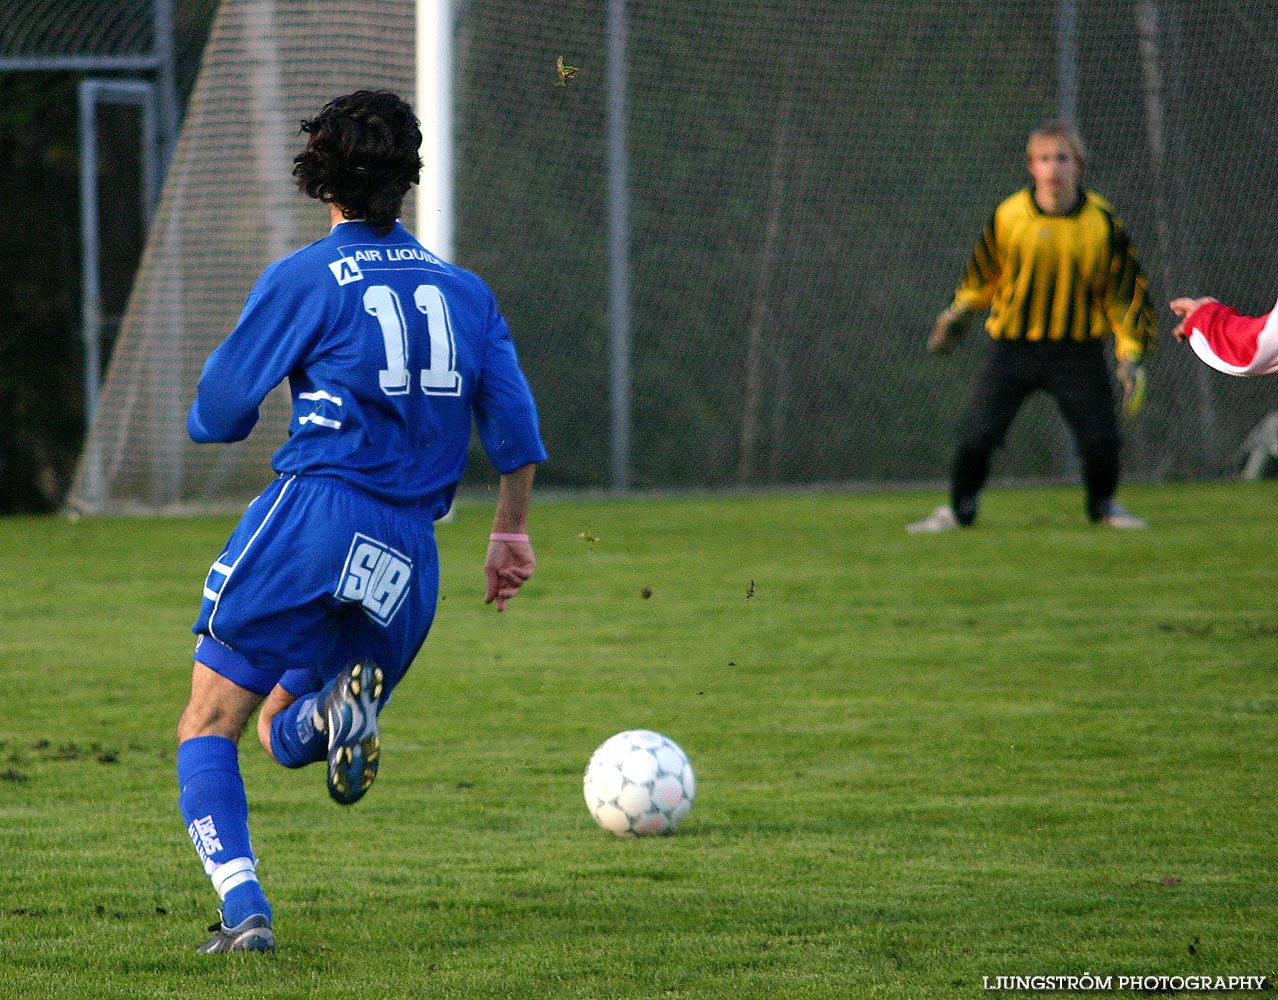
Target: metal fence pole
[1067,60]
[618,249]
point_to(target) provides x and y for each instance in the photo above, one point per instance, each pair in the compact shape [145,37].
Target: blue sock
[295,741]
[215,810]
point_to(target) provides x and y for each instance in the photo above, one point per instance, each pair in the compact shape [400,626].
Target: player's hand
[950,326]
[1131,375]
[1184,308]
[507,567]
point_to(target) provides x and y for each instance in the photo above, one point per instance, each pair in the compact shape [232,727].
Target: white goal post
[434,105]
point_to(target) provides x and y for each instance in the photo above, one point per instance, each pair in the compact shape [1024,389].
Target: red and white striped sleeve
[1232,343]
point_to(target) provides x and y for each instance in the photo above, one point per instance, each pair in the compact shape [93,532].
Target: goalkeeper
[1058,274]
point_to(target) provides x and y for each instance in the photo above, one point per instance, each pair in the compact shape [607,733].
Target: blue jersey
[389,354]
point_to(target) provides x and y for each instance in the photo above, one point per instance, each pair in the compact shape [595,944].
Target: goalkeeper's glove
[948,331]
[1131,375]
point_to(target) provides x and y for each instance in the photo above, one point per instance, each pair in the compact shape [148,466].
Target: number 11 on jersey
[441,377]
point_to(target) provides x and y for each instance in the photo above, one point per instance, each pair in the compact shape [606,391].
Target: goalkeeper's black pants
[1077,376]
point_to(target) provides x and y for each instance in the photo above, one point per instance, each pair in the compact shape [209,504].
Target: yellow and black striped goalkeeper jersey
[1049,277]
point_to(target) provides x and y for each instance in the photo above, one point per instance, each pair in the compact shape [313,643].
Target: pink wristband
[507,536]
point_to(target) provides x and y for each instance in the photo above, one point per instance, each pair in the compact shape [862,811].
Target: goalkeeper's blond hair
[1066,133]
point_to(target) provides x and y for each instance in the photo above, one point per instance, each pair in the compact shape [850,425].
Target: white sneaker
[941,519]
[1118,516]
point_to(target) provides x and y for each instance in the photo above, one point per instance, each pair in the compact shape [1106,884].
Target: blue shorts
[318,574]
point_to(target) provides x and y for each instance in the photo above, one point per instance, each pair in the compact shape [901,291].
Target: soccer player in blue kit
[327,587]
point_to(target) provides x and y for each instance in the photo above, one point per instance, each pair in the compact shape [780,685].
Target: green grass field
[1033,748]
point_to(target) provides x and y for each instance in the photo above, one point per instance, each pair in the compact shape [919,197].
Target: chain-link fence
[806,183]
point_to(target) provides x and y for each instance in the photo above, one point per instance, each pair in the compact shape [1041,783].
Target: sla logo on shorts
[375,576]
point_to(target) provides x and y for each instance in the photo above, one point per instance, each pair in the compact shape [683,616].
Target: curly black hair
[362,155]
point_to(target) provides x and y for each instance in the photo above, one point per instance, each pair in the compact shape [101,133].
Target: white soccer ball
[639,783]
